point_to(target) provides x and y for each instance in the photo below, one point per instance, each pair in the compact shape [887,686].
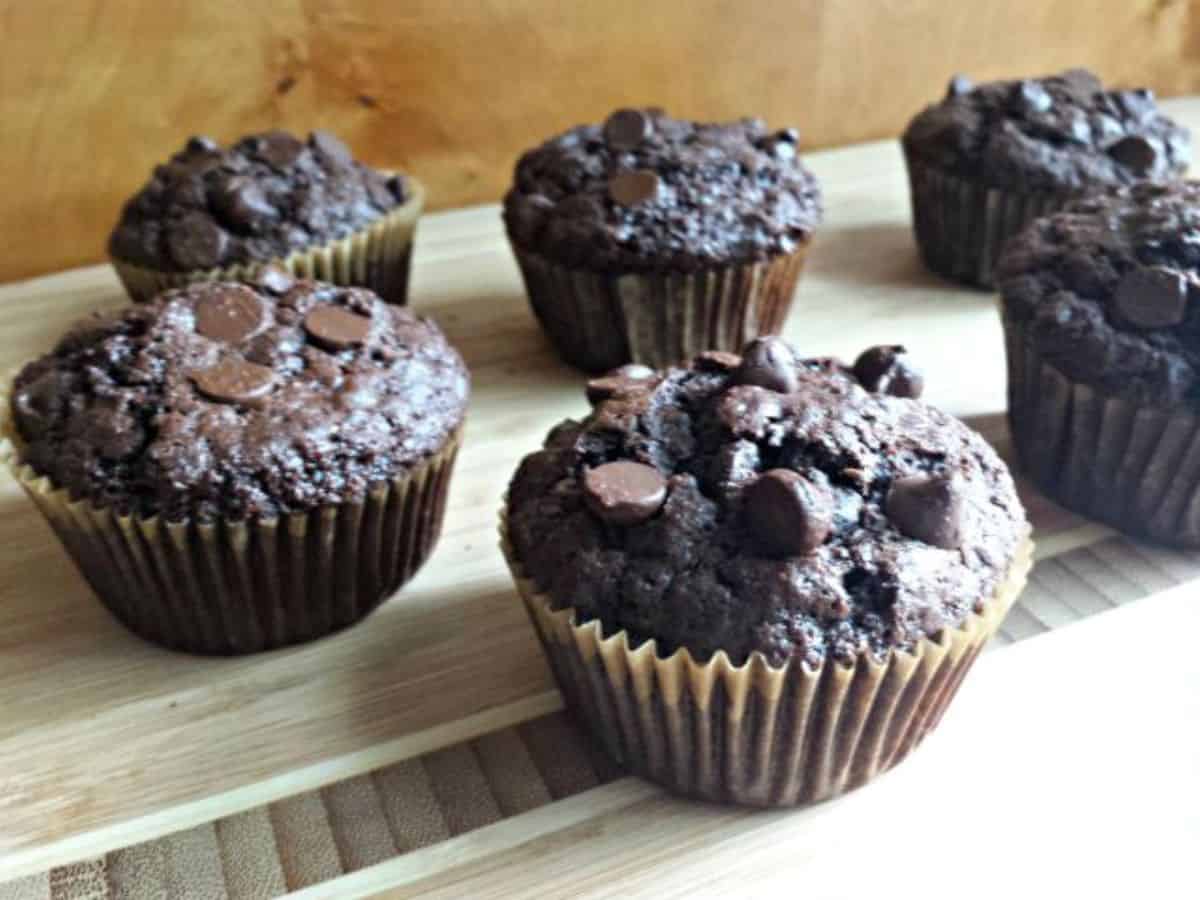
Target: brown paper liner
[598,321]
[961,226]
[1131,466]
[754,734]
[240,587]
[376,257]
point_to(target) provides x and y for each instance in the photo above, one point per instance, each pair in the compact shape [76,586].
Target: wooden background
[94,92]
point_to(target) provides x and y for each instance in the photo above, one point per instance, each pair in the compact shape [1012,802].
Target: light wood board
[107,741]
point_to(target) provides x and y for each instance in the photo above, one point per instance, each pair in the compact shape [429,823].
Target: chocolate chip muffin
[760,578]
[235,467]
[649,239]
[989,158]
[214,214]
[1101,309]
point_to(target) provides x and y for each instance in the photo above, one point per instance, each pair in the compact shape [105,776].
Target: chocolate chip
[959,85]
[789,514]
[929,508]
[398,185]
[336,328]
[1030,98]
[279,149]
[1153,297]
[1134,152]
[241,203]
[717,361]
[196,242]
[626,380]
[769,363]
[377,189]
[788,135]
[274,280]
[624,492]
[887,369]
[229,313]
[634,187]
[626,129]
[201,144]
[234,381]
[331,148]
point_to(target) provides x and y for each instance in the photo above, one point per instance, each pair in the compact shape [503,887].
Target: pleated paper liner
[754,734]
[599,321]
[240,587]
[961,226]
[376,257]
[1125,463]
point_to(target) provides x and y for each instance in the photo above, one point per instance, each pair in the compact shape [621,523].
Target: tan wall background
[94,92]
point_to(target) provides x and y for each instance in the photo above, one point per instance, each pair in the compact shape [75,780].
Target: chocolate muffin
[1101,309]
[757,580]
[989,158]
[222,214]
[235,467]
[649,239]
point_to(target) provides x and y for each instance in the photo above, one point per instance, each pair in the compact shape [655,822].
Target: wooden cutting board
[106,741]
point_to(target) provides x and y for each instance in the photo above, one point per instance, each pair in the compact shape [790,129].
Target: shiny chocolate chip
[959,85]
[201,144]
[634,187]
[929,508]
[274,280]
[230,313]
[330,146]
[789,515]
[336,328]
[888,369]
[234,381]
[769,363]
[630,379]
[196,242]
[1030,98]
[1152,297]
[624,492]
[1134,152]
[626,129]
[241,203]
[279,149]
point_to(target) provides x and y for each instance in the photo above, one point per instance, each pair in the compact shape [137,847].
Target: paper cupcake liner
[1131,466]
[240,587]
[599,321]
[376,257]
[754,734]
[962,226]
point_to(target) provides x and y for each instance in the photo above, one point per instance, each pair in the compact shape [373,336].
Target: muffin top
[1060,133]
[767,503]
[234,401]
[261,199]
[646,192]
[1108,291]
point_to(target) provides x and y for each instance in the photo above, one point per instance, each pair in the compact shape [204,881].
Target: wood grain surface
[94,92]
[107,741]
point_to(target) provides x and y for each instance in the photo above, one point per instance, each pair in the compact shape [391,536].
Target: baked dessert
[235,467]
[648,239]
[758,581]
[1101,310]
[217,213]
[989,158]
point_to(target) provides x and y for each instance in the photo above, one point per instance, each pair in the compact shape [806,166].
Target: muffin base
[1130,466]
[598,321]
[236,587]
[378,257]
[753,734]
[961,226]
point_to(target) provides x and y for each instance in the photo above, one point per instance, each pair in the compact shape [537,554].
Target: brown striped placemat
[315,837]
